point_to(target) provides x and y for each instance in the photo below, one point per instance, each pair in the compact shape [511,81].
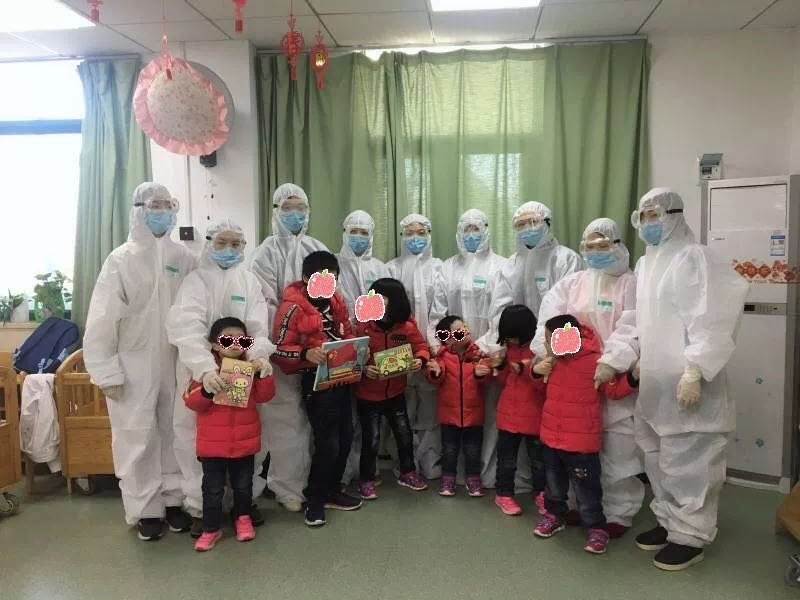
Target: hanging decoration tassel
[292,44]
[165,48]
[239,21]
[319,59]
[94,14]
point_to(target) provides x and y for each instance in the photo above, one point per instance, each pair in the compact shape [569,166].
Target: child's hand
[636,372]
[544,367]
[482,369]
[516,367]
[434,369]
[372,372]
[416,365]
[316,356]
[497,359]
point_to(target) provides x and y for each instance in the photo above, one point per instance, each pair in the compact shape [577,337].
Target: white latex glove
[263,366]
[212,382]
[603,374]
[112,392]
[689,386]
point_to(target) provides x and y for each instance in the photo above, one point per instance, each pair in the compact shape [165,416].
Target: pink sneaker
[508,505]
[448,485]
[474,486]
[244,529]
[549,526]
[207,540]
[540,503]
[597,541]
[413,480]
[367,490]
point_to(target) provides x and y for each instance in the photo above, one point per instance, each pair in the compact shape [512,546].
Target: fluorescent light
[40,15]
[455,5]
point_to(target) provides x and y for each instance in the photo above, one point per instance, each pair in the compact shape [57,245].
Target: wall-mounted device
[186,234]
[710,167]
[209,160]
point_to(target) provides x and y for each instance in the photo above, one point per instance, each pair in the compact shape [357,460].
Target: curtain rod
[60,58]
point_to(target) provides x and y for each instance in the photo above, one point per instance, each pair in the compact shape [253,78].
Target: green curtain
[442,133]
[115,158]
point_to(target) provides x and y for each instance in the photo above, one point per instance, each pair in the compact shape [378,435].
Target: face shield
[472,234]
[415,232]
[660,211]
[291,208]
[158,207]
[358,228]
[602,247]
[225,244]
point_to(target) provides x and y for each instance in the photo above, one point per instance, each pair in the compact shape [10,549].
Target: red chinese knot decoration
[292,45]
[319,60]
[239,21]
[94,15]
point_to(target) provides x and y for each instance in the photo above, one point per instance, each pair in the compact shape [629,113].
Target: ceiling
[135,25]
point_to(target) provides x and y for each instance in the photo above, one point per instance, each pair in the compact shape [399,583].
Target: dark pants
[507,450]
[369,414]
[453,439]
[583,470]
[330,413]
[215,473]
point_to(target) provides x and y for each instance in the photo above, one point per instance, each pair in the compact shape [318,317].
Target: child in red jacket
[519,409]
[376,397]
[302,325]
[572,428]
[228,438]
[459,372]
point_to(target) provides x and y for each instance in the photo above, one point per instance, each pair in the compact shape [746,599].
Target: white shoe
[292,505]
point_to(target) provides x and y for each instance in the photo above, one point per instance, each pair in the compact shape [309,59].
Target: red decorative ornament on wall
[319,60]
[94,14]
[239,20]
[292,45]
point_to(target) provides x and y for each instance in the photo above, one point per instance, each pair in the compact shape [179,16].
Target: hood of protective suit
[610,229]
[213,230]
[362,220]
[474,217]
[424,221]
[547,241]
[143,196]
[675,227]
[281,195]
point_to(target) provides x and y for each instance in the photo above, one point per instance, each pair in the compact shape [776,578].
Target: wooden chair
[10,460]
[83,419]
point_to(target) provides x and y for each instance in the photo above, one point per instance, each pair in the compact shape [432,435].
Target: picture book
[238,378]
[344,364]
[394,362]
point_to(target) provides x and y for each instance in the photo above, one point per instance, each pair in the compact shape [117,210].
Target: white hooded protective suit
[278,262]
[126,344]
[687,312]
[208,294]
[357,273]
[599,298]
[467,286]
[418,274]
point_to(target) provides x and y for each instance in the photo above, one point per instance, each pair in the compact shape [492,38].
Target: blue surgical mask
[294,220]
[159,221]
[652,232]
[531,237]
[416,244]
[472,241]
[227,257]
[358,243]
[600,260]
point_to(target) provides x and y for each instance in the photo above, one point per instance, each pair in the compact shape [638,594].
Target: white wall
[231,189]
[729,93]
[795,164]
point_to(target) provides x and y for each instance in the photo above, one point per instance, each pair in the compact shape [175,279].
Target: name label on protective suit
[172,269]
[479,282]
[238,299]
[541,279]
[605,305]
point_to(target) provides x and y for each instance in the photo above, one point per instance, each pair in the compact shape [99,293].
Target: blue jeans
[583,470]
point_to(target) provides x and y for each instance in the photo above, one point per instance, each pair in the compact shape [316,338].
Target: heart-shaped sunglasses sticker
[370,307]
[321,285]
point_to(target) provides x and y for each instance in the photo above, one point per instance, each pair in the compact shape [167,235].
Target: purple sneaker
[549,526]
[413,480]
[474,486]
[597,541]
[448,485]
[367,490]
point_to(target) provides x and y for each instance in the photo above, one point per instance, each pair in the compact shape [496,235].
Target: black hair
[224,323]
[446,323]
[399,309]
[517,321]
[559,321]
[320,261]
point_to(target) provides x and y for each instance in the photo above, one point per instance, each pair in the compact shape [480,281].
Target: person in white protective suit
[688,305]
[129,357]
[219,288]
[285,431]
[417,270]
[467,285]
[599,297]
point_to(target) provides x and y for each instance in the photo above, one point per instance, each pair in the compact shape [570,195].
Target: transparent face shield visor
[529,221]
[648,215]
[598,244]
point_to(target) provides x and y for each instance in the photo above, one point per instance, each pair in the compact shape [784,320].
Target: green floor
[405,545]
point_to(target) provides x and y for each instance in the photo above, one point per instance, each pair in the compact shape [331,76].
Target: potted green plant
[49,295]
[13,308]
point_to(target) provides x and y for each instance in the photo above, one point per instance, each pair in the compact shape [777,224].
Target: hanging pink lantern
[239,20]
[292,44]
[94,14]
[319,60]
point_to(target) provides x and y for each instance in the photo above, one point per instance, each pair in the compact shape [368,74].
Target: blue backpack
[47,346]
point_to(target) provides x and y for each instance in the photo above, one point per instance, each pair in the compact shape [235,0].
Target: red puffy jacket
[298,327]
[572,417]
[459,400]
[519,409]
[228,431]
[376,390]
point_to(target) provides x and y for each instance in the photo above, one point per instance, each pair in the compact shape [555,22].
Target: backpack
[47,347]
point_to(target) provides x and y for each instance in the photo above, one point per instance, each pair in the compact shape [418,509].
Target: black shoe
[676,557]
[256,517]
[197,527]
[342,501]
[150,530]
[655,539]
[178,521]
[315,515]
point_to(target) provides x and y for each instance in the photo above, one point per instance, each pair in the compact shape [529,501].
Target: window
[40,143]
